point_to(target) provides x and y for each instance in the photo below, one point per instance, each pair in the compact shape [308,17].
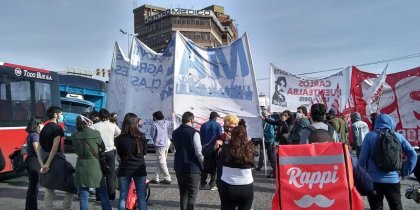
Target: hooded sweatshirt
[385,122]
[159,133]
[359,128]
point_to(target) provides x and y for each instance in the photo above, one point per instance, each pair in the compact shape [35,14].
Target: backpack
[388,151]
[18,161]
[330,129]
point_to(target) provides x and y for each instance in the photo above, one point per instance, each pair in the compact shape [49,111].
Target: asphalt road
[13,192]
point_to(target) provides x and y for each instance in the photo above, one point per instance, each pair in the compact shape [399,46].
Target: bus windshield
[77,108]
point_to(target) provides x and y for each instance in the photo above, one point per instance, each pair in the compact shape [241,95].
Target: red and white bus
[24,92]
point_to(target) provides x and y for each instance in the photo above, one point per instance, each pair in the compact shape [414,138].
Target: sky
[295,35]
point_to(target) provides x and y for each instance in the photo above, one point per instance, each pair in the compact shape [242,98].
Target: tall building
[208,27]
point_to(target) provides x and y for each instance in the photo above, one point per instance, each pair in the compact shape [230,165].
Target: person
[131,147]
[359,129]
[236,189]
[208,131]
[269,142]
[159,133]
[385,183]
[339,125]
[108,133]
[301,122]
[113,117]
[188,161]
[2,160]
[278,97]
[59,176]
[94,116]
[33,161]
[362,180]
[318,117]
[88,169]
[282,127]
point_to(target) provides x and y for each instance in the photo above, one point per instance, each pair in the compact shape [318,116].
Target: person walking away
[108,133]
[359,129]
[339,125]
[318,118]
[58,176]
[269,137]
[131,147]
[188,161]
[208,131]
[33,161]
[159,133]
[386,183]
[301,122]
[88,169]
[236,190]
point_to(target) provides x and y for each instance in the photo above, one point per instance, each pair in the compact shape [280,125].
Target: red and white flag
[374,93]
[336,105]
[320,99]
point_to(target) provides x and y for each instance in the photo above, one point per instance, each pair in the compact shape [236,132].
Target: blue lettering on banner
[121,70]
[195,80]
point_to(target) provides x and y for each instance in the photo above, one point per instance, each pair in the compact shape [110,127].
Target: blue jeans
[103,196]
[140,183]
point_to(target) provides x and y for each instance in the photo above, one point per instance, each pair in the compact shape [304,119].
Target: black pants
[188,188]
[110,179]
[33,168]
[212,181]
[232,196]
[390,191]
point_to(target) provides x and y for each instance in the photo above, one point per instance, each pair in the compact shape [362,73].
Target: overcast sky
[295,35]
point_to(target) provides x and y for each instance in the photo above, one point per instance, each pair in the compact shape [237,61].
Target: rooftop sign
[178,11]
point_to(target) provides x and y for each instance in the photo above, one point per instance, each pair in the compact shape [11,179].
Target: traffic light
[109,73]
[98,72]
[103,72]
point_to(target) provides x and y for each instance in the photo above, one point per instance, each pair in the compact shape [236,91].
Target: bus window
[21,100]
[42,98]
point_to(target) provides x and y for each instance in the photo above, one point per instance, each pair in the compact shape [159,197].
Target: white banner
[288,91]
[206,79]
[142,84]
[216,79]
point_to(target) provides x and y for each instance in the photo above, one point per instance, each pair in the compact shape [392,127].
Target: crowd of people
[223,152]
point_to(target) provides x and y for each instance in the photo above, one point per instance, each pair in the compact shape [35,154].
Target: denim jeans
[103,196]
[188,188]
[140,183]
[270,148]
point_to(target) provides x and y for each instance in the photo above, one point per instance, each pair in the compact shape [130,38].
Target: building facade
[208,27]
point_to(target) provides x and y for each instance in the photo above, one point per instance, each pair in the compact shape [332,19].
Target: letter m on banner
[315,176]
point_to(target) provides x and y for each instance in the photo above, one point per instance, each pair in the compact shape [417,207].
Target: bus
[24,92]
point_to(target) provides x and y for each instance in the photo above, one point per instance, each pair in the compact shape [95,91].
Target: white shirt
[108,131]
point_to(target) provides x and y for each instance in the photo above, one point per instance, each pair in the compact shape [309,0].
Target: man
[338,124]
[386,183]
[57,177]
[159,133]
[359,129]
[188,161]
[318,117]
[208,131]
[282,126]
[108,133]
[302,121]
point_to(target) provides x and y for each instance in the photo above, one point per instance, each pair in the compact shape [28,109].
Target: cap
[214,115]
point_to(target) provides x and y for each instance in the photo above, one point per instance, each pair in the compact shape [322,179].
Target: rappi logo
[300,178]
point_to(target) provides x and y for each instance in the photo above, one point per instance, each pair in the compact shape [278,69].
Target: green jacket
[341,128]
[88,170]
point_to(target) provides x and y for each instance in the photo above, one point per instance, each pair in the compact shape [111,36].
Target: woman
[33,161]
[88,169]
[131,147]
[236,189]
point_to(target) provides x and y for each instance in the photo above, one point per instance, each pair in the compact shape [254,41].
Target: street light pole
[128,39]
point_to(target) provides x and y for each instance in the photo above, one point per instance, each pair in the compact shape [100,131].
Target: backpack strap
[331,130]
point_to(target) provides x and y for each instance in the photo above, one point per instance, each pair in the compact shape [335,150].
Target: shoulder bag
[106,170]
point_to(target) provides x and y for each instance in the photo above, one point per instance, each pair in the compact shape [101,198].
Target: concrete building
[208,27]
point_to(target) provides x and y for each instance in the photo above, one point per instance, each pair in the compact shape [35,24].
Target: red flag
[320,99]
[336,105]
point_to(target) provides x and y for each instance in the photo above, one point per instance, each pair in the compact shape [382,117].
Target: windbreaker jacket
[385,122]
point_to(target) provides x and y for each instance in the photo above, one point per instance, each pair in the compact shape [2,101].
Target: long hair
[130,128]
[240,149]
[33,124]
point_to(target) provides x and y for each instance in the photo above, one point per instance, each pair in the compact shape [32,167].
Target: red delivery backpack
[315,177]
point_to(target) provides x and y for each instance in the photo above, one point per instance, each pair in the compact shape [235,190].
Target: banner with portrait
[289,91]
